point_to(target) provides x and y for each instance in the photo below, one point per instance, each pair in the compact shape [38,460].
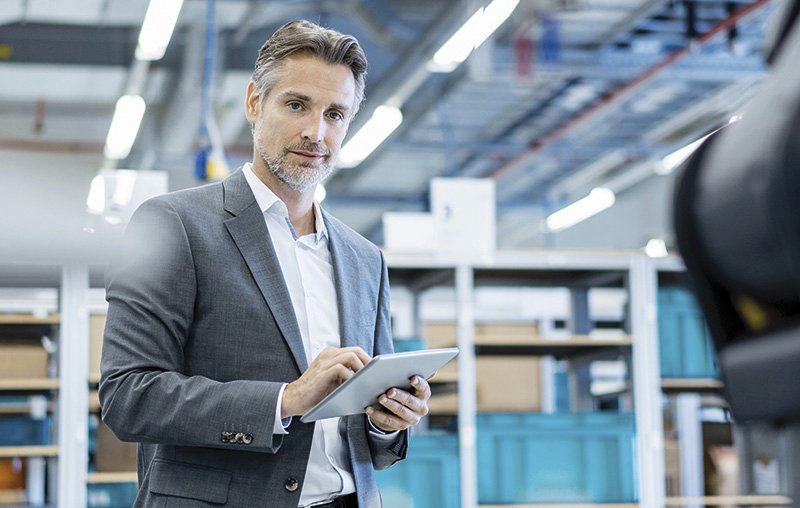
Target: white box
[464,211]
[408,232]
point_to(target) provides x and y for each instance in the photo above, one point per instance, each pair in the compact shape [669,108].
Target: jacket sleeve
[144,394]
[384,454]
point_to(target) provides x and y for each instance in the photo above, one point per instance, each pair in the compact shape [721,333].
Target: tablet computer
[372,380]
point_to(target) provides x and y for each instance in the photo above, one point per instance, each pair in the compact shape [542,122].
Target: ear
[252,103]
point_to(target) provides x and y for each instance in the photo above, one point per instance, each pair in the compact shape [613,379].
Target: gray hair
[304,36]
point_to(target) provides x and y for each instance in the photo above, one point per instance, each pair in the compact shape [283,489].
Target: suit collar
[251,236]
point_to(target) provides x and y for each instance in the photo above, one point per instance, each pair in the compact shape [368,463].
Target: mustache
[308,147]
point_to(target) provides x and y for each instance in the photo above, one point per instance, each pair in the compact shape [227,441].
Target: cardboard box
[22,360]
[504,383]
[508,383]
[12,474]
[97,324]
[439,335]
[113,455]
[443,404]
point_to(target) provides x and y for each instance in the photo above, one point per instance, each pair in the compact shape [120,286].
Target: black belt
[348,501]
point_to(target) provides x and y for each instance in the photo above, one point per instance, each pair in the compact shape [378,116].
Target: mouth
[309,155]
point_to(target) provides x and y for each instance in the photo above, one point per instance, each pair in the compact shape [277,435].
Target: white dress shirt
[308,272]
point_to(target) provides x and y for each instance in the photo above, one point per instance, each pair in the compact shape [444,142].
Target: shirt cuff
[381,434]
[281,424]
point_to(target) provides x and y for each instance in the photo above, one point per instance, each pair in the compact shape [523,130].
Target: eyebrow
[303,97]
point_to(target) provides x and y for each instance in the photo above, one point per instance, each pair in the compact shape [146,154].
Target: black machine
[737,225]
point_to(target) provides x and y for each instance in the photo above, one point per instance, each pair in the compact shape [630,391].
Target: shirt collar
[268,202]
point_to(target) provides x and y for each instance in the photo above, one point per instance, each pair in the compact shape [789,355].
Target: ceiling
[566,96]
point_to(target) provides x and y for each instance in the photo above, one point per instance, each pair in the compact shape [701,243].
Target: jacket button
[248,438]
[291,484]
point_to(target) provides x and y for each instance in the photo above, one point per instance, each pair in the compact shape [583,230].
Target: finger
[353,357]
[385,420]
[405,413]
[360,353]
[341,372]
[408,400]
[422,388]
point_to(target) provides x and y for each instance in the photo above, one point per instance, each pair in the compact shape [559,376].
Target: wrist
[288,408]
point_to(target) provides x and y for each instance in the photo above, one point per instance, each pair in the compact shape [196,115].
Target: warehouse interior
[586,370]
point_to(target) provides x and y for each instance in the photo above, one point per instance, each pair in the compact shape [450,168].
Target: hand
[332,367]
[401,409]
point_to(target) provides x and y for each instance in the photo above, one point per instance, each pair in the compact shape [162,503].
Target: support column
[73,371]
[467,404]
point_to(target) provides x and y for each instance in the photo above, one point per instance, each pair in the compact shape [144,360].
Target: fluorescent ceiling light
[96,201]
[471,35]
[598,200]
[656,248]
[383,122]
[124,127]
[159,22]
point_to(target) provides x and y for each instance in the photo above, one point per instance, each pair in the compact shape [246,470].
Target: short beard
[298,177]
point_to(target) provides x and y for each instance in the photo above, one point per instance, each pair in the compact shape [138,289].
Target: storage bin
[22,430]
[555,458]
[111,495]
[410,344]
[427,478]
[685,346]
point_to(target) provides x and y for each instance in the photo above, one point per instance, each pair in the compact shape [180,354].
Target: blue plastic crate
[111,495]
[410,344]
[19,430]
[685,346]
[555,458]
[427,478]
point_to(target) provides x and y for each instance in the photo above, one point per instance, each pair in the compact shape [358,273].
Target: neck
[299,204]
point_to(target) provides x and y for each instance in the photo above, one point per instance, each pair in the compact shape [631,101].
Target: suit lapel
[250,233]
[345,273]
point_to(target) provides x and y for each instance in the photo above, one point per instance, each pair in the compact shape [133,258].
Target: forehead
[313,77]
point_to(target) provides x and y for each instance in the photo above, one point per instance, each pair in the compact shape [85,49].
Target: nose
[314,129]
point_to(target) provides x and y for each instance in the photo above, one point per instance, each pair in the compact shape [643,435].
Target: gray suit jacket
[201,333]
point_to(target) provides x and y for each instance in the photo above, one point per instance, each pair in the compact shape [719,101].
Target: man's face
[299,127]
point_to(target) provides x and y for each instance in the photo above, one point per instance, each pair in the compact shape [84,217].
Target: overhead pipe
[539,144]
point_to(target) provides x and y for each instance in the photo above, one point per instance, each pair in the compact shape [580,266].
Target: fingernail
[392,393]
[370,410]
[416,381]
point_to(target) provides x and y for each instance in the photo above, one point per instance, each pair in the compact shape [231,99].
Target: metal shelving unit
[551,269]
[64,461]
[688,392]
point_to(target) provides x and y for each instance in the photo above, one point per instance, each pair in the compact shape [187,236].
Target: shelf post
[73,370]
[646,382]
[690,446]
[467,404]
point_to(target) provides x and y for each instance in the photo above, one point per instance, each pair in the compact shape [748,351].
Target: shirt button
[291,484]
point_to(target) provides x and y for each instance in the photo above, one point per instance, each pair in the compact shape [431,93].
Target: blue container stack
[22,430]
[556,458]
[110,495]
[685,346]
[427,478]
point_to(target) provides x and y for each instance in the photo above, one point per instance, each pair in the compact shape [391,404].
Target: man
[245,303]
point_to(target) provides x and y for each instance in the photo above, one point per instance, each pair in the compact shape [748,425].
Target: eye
[294,105]
[335,115]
